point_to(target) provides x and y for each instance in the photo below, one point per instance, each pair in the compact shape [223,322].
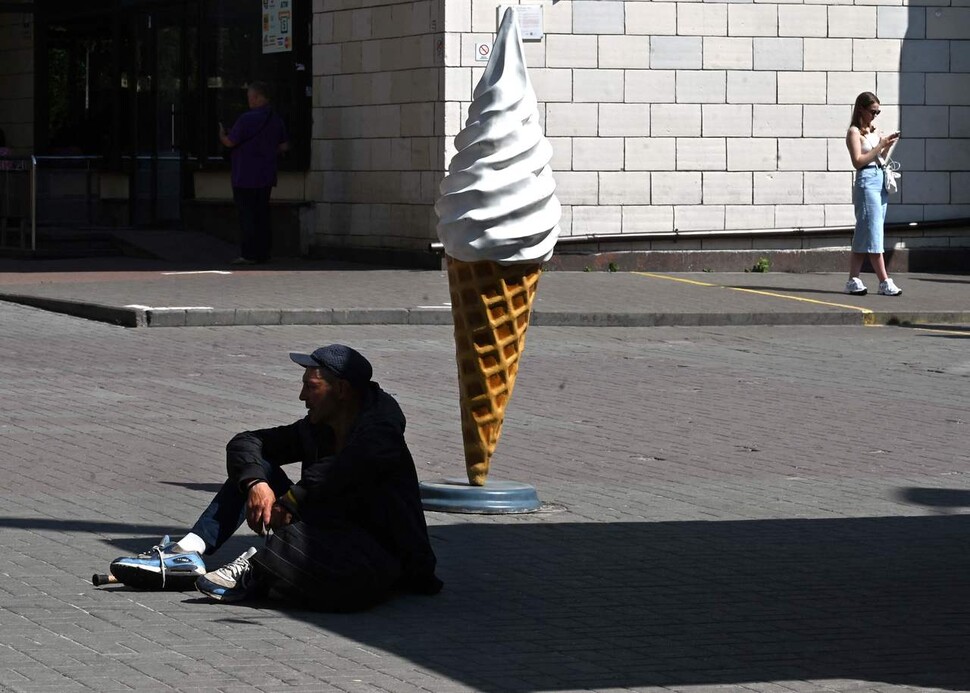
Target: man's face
[322,398]
[256,100]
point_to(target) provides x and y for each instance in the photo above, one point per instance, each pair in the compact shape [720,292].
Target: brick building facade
[664,116]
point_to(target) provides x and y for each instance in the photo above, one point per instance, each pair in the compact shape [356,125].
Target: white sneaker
[232,582]
[889,288]
[232,574]
[855,287]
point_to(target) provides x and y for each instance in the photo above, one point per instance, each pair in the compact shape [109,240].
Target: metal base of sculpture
[494,498]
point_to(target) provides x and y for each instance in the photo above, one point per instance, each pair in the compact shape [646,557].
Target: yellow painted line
[868,317]
[676,279]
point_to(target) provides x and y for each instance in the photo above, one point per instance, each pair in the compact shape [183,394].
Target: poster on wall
[277,26]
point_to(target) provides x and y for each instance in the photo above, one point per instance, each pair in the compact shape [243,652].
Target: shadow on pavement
[939,280]
[150,250]
[212,488]
[940,331]
[133,264]
[135,537]
[73,526]
[948,328]
[532,606]
[949,498]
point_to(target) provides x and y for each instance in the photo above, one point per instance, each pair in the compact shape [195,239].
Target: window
[234,57]
[121,78]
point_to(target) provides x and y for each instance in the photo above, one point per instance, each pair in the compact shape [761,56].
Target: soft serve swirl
[498,200]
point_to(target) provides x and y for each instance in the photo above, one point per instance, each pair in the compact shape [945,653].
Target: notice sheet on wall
[277,26]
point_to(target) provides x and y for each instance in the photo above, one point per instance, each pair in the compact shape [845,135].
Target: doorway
[134,90]
[158,84]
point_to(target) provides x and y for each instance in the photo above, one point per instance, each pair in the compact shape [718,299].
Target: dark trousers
[227,511]
[255,233]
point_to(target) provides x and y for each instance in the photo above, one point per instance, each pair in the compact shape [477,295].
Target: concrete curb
[123,317]
[645,319]
[210,317]
[139,316]
[914,318]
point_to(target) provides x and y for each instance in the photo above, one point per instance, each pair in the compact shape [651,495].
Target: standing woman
[868,149]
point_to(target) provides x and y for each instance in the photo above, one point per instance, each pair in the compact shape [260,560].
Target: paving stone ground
[728,509]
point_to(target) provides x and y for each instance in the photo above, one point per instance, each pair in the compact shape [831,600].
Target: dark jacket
[370,484]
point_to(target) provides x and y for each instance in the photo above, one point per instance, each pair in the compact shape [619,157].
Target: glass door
[157,87]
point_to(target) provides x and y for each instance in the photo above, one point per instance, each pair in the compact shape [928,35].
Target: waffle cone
[491,305]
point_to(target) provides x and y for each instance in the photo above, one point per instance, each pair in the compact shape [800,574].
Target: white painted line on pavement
[199,272]
[140,307]
[941,330]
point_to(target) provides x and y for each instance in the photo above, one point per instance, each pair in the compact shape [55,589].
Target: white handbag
[891,171]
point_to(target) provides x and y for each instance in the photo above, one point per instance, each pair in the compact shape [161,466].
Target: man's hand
[259,507]
[280,517]
[224,137]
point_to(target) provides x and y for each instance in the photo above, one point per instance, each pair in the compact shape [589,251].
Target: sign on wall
[277,26]
[530,20]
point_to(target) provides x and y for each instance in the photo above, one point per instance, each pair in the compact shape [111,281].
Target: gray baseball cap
[344,362]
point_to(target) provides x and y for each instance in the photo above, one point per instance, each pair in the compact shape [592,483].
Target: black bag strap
[256,134]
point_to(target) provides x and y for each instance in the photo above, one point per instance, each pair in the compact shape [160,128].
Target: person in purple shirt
[256,140]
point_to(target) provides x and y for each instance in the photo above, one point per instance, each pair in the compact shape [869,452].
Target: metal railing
[46,190]
[18,201]
[66,190]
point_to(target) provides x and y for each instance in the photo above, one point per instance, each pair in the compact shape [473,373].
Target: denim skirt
[869,197]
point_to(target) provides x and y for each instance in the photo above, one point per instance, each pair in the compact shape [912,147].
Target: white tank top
[869,141]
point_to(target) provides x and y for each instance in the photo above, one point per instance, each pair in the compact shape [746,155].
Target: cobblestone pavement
[743,509]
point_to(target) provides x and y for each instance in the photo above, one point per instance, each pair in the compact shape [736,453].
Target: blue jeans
[227,511]
[869,197]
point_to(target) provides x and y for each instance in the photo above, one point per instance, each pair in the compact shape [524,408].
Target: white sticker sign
[482,52]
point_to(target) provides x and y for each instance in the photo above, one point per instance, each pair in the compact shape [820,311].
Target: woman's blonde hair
[863,101]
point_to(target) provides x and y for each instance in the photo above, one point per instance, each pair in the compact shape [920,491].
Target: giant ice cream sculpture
[498,221]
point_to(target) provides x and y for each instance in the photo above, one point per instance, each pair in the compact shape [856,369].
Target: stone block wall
[378,115]
[17,80]
[708,115]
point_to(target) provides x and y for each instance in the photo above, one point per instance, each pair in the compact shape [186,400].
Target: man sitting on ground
[349,533]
